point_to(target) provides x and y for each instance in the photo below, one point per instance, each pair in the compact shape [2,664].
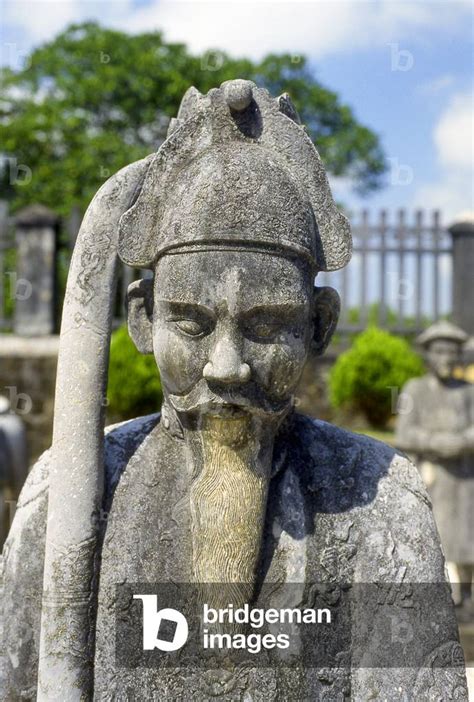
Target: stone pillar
[35,277]
[462,232]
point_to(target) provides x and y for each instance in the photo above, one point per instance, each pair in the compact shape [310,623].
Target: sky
[405,68]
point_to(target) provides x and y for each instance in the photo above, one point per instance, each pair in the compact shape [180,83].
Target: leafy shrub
[363,377]
[134,383]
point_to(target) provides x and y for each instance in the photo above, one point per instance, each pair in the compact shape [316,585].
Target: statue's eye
[266,330]
[190,327]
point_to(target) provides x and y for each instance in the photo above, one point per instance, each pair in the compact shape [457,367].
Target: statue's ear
[326,308]
[140,314]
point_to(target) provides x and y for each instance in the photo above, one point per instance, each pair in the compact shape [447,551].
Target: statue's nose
[225,364]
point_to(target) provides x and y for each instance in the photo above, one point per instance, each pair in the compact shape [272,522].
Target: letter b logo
[165,629]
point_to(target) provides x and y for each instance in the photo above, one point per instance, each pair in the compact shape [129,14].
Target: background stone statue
[436,425]
[13,463]
[228,486]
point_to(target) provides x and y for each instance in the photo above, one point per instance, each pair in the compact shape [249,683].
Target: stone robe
[342,508]
[433,407]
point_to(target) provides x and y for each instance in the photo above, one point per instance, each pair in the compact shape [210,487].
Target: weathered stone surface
[441,410]
[219,158]
[35,282]
[229,487]
[436,426]
[341,508]
[76,479]
[462,232]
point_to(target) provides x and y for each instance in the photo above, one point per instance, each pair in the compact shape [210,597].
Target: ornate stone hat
[237,169]
[442,330]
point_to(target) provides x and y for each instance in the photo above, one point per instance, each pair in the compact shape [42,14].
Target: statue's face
[231,328]
[442,356]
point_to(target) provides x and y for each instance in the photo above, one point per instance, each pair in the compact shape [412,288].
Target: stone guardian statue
[228,485]
[436,426]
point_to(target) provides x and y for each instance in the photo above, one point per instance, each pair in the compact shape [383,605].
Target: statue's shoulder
[418,386]
[122,441]
[127,436]
[21,562]
[353,465]
[375,492]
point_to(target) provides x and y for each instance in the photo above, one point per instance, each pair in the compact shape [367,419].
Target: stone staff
[76,479]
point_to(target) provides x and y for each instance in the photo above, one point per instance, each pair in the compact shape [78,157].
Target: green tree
[94,99]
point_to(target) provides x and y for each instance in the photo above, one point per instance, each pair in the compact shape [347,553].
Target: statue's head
[442,344]
[233,234]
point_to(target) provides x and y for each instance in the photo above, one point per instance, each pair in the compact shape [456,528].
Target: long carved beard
[228,503]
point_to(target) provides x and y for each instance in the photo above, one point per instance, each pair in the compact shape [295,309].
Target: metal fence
[400,276]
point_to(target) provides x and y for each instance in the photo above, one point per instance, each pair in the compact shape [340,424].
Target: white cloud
[317,28]
[451,195]
[36,21]
[453,137]
[40,20]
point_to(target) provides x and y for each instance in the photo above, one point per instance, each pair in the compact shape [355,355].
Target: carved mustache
[221,399]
